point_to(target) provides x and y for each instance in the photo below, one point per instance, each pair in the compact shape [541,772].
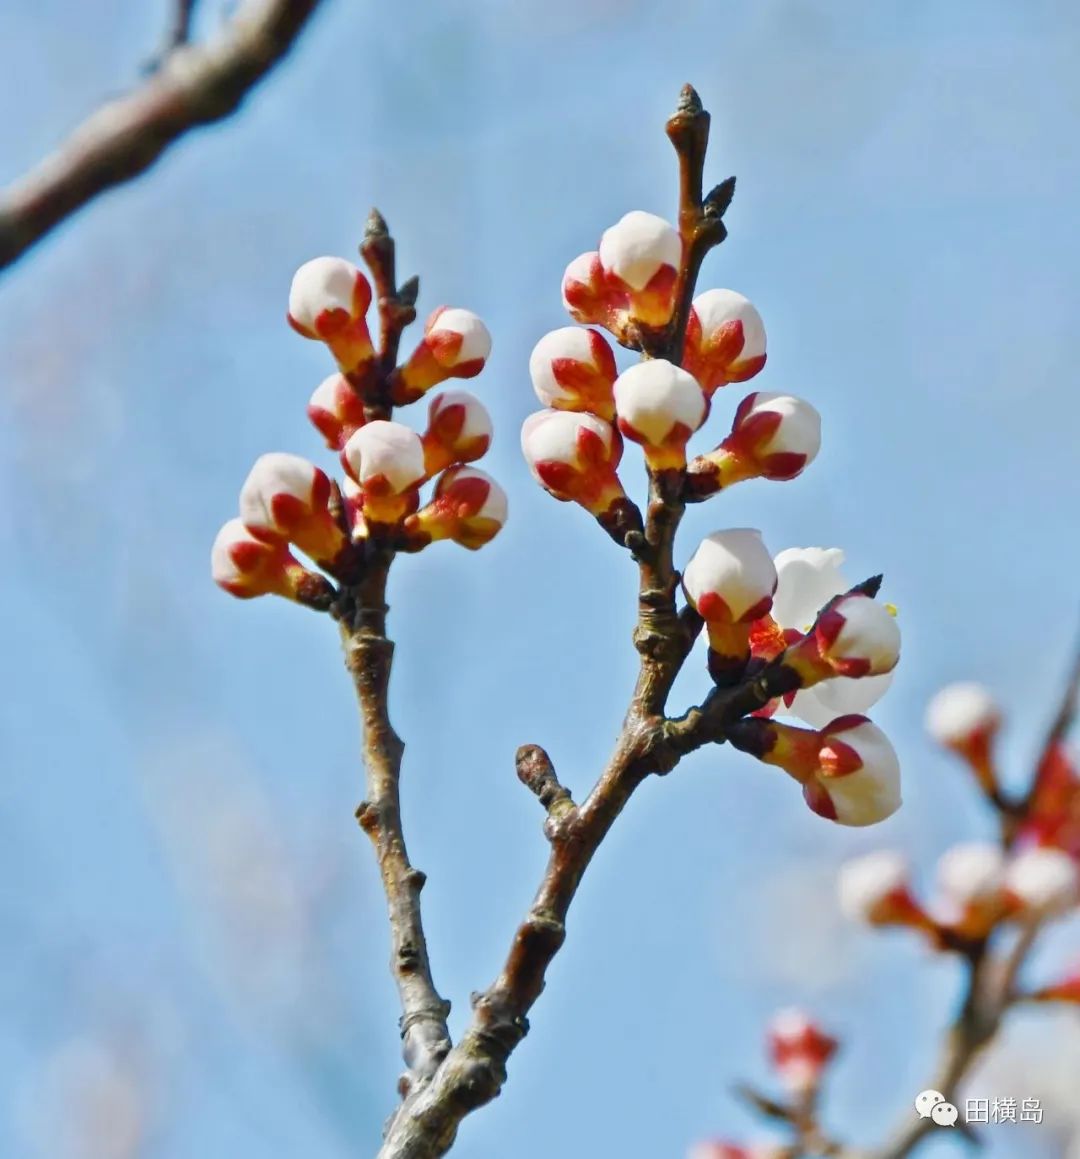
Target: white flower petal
[807,578]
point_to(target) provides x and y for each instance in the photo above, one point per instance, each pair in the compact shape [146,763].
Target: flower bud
[285,496]
[965,718]
[589,297]
[574,369]
[328,300]
[798,1050]
[970,878]
[725,339]
[659,406]
[854,636]
[246,566]
[459,430]
[456,344]
[729,581]
[387,460]
[468,507]
[336,411]
[574,457]
[774,436]
[876,889]
[848,770]
[1042,882]
[640,255]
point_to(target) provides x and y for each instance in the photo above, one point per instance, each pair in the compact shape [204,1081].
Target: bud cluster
[799,1052]
[1031,876]
[630,286]
[287,502]
[634,286]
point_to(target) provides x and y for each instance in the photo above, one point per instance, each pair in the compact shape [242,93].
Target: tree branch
[368,656]
[474,1071]
[194,85]
[1063,720]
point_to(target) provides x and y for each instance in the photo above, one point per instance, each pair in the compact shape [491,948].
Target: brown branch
[991,989]
[368,656]
[800,1115]
[361,610]
[989,993]
[474,1071]
[1067,709]
[195,84]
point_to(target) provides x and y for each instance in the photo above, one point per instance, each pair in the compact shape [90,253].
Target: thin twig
[1068,706]
[195,84]
[180,31]
[368,656]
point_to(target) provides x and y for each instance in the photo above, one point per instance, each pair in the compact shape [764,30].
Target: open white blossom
[807,578]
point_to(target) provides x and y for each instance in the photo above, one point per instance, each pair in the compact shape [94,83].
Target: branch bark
[369,656]
[194,85]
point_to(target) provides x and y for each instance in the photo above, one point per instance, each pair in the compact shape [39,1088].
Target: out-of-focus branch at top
[194,84]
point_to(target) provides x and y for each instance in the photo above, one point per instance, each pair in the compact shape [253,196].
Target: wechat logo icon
[932,1105]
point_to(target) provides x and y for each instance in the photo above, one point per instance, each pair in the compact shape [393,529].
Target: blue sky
[179,862]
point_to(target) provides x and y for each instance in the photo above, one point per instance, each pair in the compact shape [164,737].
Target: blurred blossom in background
[195,941]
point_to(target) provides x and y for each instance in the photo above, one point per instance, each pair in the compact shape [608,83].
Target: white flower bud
[468,507]
[859,637]
[798,1049]
[859,780]
[335,410]
[1044,881]
[960,711]
[327,285]
[971,873]
[638,247]
[459,430]
[725,339]
[456,344]
[285,495]
[866,884]
[458,336]
[385,451]
[731,577]
[246,566]
[574,457]
[660,406]
[552,436]
[328,300]
[782,433]
[574,369]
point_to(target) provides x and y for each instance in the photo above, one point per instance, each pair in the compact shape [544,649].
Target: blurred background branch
[193,84]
